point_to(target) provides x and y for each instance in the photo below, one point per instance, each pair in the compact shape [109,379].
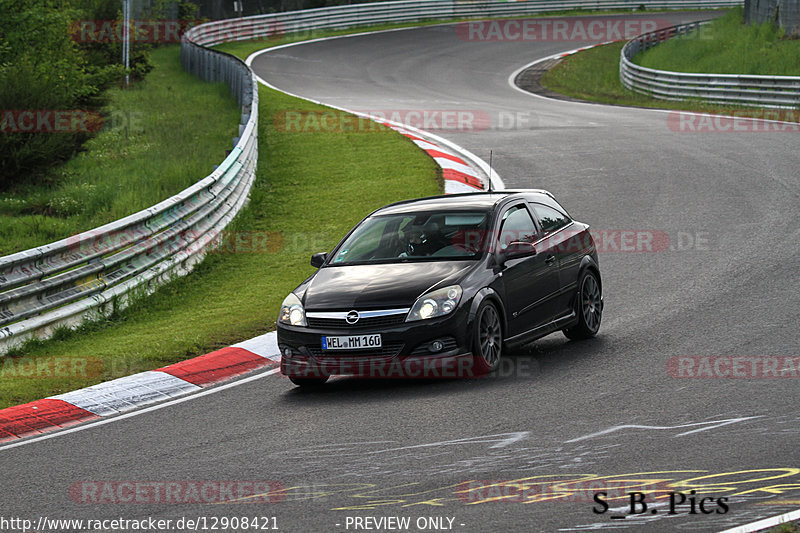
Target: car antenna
[490,172]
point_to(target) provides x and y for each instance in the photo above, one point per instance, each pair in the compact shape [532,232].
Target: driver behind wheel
[422,240]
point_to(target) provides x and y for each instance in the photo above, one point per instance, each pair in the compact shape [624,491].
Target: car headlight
[435,303]
[292,312]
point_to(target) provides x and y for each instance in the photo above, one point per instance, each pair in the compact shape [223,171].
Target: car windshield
[415,237]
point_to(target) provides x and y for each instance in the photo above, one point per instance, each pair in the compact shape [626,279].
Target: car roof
[464,201]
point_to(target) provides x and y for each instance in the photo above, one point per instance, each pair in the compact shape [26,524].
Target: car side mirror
[517,249]
[318,259]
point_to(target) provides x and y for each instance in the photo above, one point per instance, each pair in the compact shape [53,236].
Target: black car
[440,287]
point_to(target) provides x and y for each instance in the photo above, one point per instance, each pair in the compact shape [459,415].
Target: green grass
[158,141]
[790,527]
[593,75]
[728,46]
[310,189]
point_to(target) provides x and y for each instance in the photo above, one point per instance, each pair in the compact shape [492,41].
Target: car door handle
[550,259]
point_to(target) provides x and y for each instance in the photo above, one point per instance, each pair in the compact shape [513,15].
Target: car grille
[387,350]
[367,322]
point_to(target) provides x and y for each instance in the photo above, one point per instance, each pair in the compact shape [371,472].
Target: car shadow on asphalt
[536,361]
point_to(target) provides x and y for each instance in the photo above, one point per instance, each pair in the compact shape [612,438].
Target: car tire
[309,383]
[487,339]
[588,307]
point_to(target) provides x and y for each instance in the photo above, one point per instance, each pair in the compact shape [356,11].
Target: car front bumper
[405,352]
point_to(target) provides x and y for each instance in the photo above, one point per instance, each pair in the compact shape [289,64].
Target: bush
[42,71]
[47,67]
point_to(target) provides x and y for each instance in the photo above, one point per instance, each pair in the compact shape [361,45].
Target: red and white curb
[132,392]
[458,175]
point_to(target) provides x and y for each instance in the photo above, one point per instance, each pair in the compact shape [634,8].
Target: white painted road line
[766,523]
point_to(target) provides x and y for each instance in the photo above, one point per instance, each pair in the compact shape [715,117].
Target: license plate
[351,342]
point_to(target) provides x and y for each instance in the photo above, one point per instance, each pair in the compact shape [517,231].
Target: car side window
[517,226]
[551,219]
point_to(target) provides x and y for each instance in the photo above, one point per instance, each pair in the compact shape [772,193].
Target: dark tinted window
[415,237]
[517,226]
[551,219]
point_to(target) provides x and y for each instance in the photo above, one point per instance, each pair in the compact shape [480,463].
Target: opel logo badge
[352,317]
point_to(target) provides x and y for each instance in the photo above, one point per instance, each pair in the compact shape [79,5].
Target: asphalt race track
[721,280]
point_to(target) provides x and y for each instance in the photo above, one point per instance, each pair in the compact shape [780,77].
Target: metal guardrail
[765,91]
[276,24]
[68,281]
[63,283]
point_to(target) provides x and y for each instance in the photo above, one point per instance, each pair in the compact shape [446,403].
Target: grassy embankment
[156,141]
[727,46]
